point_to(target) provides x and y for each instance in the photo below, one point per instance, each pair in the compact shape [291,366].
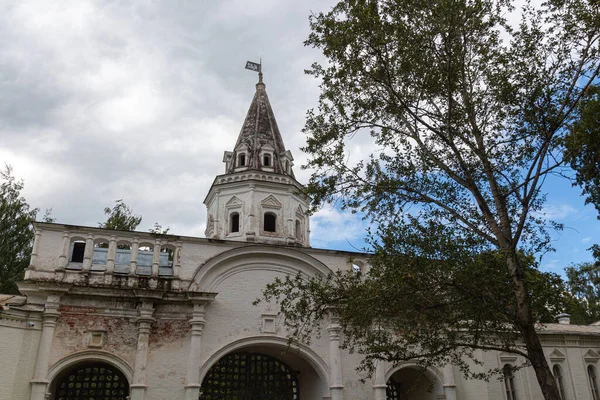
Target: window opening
[250,376]
[509,382]
[242,160]
[298,230]
[287,167]
[100,253]
[77,252]
[234,222]
[593,384]
[267,160]
[144,260]
[92,381]
[165,261]
[558,378]
[270,222]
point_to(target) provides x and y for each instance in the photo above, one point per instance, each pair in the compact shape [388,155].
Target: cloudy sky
[103,100]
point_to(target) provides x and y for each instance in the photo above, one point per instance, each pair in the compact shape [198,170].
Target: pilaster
[39,383]
[336,386]
[380,386]
[144,324]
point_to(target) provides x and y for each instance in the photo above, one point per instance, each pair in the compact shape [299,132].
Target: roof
[260,131]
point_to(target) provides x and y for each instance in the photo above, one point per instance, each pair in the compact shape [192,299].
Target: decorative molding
[91,355]
[271,202]
[591,356]
[556,355]
[507,357]
[234,202]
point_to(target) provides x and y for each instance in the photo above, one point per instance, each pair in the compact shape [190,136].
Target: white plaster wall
[18,349]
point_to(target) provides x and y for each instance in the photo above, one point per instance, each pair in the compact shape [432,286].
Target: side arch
[287,261]
[86,356]
[305,352]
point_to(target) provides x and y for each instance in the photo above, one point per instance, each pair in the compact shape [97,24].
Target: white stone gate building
[114,315]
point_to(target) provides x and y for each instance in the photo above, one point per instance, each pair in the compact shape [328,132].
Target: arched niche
[408,381]
[282,260]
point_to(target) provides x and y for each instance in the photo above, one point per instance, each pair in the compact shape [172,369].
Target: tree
[16,235]
[158,229]
[468,114]
[120,218]
[583,283]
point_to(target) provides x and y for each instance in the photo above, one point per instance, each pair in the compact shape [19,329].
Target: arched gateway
[250,376]
[91,380]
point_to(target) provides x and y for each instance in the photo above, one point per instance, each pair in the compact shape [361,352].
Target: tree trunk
[530,337]
[538,361]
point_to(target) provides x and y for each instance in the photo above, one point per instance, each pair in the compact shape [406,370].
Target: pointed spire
[259,145]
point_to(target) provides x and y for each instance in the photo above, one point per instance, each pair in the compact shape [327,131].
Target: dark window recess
[92,381]
[270,222]
[298,229]
[235,222]
[393,389]
[267,160]
[78,250]
[250,376]
[241,160]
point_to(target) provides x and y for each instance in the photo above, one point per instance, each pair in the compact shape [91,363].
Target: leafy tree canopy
[120,218]
[16,234]
[583,283]
[467,115]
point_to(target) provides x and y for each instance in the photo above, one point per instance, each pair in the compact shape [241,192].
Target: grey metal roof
[259,130]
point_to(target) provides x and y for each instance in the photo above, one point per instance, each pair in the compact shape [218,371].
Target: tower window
[509,382]
[234,222]
[267,160]
[298,229]
[287,167]
[241,160]
[593,384]
[270,222]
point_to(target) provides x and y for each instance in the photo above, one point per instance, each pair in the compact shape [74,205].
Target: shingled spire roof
[260,135]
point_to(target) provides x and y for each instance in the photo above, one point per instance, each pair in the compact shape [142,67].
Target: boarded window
[270,222]
[234,222]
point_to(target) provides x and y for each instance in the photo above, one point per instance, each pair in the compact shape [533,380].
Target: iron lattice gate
[393,390]
[96,381]
[250,376]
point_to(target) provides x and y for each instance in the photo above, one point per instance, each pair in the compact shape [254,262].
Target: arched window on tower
[298,229]
[267,160]
[270,222]
[241,160]
[593,383]
[509,382]
[234,222]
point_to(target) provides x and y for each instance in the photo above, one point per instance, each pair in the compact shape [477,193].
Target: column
[111,255]
[449,385]
[39,383]
[133,257]
[336,386]
[144,323]
[155,258]
[380,385]
[88,253]
[192,387]
[63,259]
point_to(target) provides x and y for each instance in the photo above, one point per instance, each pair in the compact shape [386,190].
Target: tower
[258,199]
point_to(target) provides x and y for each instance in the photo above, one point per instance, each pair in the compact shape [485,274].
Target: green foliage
[583,283]
[467,115]
[583,147]
[158,229]
[120,218]
[16,234]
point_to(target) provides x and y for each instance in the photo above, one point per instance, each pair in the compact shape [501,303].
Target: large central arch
[310,370]
[250,376]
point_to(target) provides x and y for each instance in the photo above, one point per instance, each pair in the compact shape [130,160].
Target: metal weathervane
[256,67]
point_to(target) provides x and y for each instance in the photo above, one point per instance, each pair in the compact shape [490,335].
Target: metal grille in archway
[92,381]
[393,390]
[250,376]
